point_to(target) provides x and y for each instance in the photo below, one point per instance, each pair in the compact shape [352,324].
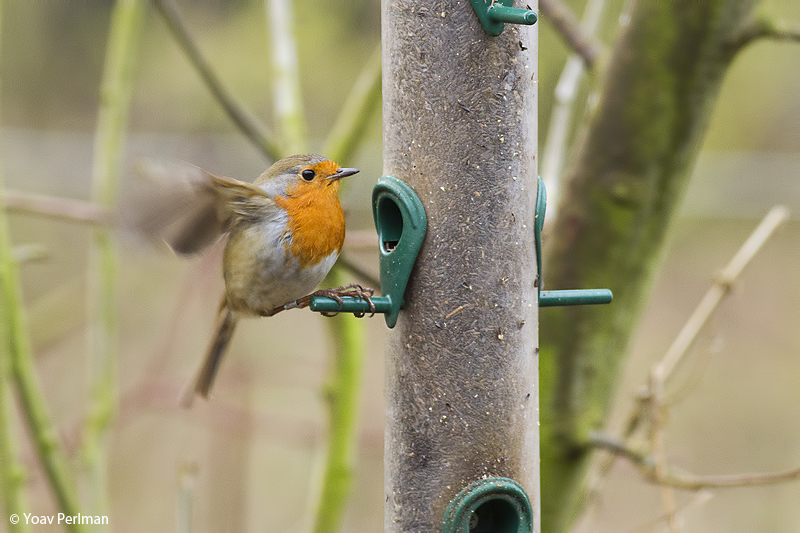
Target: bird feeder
[459,217]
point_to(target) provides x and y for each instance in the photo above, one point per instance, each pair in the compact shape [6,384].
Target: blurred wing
[174,202]
[191,208]
[240,200]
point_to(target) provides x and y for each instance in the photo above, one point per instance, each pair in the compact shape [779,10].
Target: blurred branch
[720,288]
[288,93]
[343,398]
[343,139]
[566,24]
[187,485]
[23,372]
[30,253]
[675,354]
[12,472]
[361,103]
[555,146]
[674,477]
[699,499]
[115,91]
[625,184]
[16,363]
[762,27]
[60,208]
[660,465]
[354,268]
[256,132]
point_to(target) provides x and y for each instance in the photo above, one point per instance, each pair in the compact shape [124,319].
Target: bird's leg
[353,290]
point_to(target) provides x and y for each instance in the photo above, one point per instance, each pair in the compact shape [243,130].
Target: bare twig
[256,132]
[721,286]
[555,146]
[677,478]
[116,88]
[688,481]
[680,346]
[54,207]
[765,28]
[710,302]
[660,466]
[566,24]
[700,499]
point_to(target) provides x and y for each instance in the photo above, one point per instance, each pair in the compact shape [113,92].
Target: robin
[285,232]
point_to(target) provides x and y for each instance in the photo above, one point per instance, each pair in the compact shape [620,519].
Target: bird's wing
[188,207]
[175,202]
[242,200]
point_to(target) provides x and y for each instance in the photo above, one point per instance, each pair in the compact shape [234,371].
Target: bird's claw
[354,290]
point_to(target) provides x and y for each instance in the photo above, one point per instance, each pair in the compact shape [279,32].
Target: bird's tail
[202,382]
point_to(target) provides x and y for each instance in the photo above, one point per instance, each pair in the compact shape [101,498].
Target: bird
[285,232]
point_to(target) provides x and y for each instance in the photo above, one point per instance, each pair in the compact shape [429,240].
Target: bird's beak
[343,172]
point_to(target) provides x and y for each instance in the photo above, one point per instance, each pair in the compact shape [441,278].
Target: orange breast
[316,222]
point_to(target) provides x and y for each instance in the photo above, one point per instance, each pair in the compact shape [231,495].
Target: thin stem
[555,147]
[187,485]
[115,90]
[699,317]
[344,390]
[364,99]
[29,390]
[721,286]
[288,102]
[354,268]
[763,27]
[343,396]
[256,132]
[658,447]
[582,42]
[12,473]
[16,359]
[59,208]
[678,478]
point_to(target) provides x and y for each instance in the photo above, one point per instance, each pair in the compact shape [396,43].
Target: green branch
[760,27]
[364,99]
[115,95]
[287,89]
[16,358]
[344,388]
[29,391]
[12,473]
[256,132]
[343,397]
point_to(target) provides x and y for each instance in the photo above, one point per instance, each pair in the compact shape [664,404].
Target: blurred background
[254,454]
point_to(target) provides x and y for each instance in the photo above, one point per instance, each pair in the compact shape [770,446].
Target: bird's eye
[308,174]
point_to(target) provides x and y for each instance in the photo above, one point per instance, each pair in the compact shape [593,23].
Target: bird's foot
[354,290]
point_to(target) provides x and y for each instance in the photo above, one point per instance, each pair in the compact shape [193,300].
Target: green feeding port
[401,224]
[492,505]
[560,297]
[495,14]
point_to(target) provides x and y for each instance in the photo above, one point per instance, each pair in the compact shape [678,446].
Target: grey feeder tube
[460,115]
